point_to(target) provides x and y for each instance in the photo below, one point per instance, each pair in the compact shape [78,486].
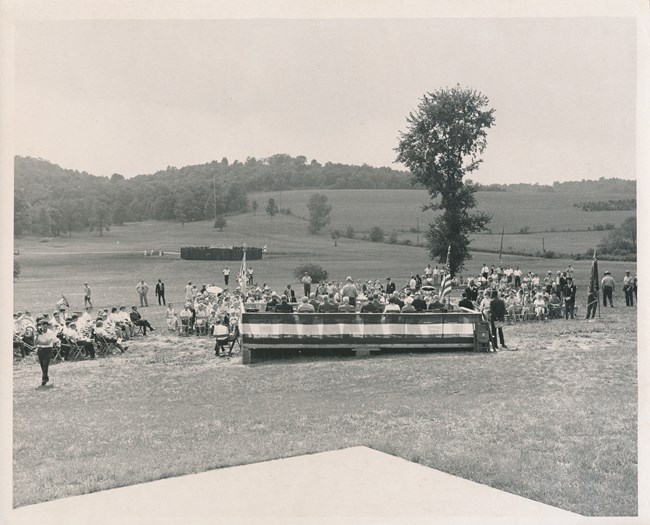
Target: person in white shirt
[142,288]
[305,306]
[171,318]
[226,275]
[109,336]
[221,333]
[391,306]
[540,307]
[306,282]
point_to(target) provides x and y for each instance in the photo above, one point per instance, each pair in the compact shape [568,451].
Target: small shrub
[406,242]
[220,222]
[349,232]
[315,271]
[392,238]
[524,230]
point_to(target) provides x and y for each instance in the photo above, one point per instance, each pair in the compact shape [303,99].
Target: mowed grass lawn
[554,421]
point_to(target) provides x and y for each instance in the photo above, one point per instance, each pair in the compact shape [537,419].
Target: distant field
[400,210]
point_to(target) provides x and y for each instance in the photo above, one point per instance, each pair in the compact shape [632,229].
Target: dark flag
[594,282]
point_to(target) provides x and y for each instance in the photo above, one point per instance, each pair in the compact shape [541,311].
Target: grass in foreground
[555,421]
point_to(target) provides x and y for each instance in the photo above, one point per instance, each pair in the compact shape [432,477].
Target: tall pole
[417,230]
[214,194]
[503,230]
[543,248]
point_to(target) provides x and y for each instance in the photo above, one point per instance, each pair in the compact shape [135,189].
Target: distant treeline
[602,185]
[610,205]
[50,200]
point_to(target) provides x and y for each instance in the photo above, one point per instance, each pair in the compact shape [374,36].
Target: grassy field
[554,421]
[400,210]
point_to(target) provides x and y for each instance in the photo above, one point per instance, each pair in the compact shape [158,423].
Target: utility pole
[503,230]
[417,230]
[543,248]
[214,194]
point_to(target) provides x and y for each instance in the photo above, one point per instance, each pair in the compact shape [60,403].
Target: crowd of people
[500,294]
[63,335]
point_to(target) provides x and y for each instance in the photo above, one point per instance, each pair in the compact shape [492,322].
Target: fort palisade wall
[206,253]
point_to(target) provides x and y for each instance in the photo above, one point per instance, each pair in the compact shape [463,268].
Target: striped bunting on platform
[351,329]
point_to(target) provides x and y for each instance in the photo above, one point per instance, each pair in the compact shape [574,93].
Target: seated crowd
[526,296]
[80,334]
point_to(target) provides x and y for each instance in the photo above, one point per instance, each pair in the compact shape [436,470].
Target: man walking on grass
[87,303]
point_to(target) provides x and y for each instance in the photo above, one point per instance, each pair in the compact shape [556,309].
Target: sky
[136,96]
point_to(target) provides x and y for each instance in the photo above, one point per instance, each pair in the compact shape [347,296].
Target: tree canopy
[319,213]
[443,142]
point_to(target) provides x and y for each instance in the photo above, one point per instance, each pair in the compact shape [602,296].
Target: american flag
[445,286]
[593,281]
[241,276]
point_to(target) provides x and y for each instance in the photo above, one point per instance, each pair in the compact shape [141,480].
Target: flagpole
[598,287]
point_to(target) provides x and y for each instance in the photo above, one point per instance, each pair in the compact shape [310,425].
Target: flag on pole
[593,281]
[241,276]
[445,285]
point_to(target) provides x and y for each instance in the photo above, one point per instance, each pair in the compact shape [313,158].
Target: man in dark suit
[390,286]
[437,306]
[373,306]
[137,320]
[419,304]
[471,290]
[284,306]
[466,303]
[160,292]
[569,293]
[329,306]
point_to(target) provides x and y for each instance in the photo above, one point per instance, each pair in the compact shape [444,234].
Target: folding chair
[234,339]
[184,326]
[76,351]
[104,347]
[57,352]
[201,325]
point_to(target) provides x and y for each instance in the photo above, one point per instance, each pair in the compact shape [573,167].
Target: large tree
[443,142]
[319,213]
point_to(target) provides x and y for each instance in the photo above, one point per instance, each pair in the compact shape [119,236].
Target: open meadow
[555,421]
[551,216]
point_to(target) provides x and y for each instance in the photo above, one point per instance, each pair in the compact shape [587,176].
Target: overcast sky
[133,97]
